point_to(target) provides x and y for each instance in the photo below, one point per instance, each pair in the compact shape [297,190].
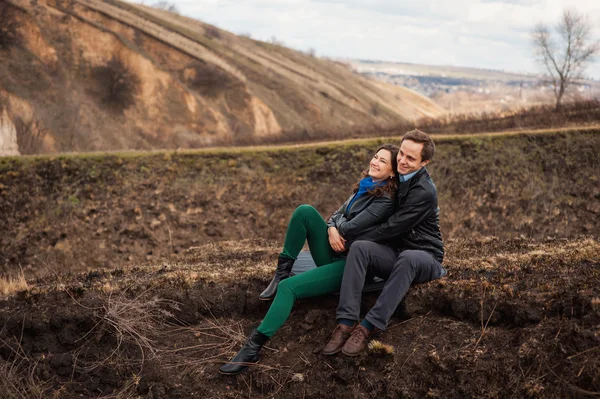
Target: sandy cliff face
[8,136]
[106,75]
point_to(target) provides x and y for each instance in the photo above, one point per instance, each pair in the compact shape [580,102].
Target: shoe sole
[351,354]
[332,353]
[241,371]
[265,299]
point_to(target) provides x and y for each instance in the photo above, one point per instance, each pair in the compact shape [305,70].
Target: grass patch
[379,348]
[10,285]
[326,144]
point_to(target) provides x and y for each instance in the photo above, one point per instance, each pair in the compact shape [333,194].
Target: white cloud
[477,33]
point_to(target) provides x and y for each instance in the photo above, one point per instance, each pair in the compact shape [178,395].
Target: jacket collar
[404,186]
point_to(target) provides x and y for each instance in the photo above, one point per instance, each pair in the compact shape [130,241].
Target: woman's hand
[336,241]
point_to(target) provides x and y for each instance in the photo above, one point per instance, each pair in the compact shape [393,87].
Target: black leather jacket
[365,214]
[416,222]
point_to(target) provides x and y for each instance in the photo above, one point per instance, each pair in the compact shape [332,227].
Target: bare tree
[565,58]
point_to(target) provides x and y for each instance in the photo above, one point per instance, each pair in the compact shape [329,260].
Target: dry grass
[218,340]
[128,390]
[10,285]
[18,374]
[596,304]
[379,348]
[18,380]
[137,320]
[134,321]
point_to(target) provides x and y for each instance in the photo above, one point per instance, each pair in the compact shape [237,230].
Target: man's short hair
[421,137]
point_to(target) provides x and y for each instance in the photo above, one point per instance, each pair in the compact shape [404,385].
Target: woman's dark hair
[392,183]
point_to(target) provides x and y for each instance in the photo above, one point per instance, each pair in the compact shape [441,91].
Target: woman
[371,203]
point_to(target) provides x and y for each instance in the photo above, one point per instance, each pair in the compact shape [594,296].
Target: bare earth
[514,318]
[144,272]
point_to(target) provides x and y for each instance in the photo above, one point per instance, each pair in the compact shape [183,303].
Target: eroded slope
[86,75]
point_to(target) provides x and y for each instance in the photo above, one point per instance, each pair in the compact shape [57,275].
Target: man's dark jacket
[416,222]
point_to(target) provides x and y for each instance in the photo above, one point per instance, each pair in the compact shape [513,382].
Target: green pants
[306,224]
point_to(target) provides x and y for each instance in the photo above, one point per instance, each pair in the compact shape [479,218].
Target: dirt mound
[513,318]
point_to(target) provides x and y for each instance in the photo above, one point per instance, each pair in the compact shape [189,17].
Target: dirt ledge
[513,318]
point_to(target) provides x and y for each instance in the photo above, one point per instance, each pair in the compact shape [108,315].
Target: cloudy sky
[491,34]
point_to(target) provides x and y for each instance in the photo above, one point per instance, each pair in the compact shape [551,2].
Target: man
[404,250]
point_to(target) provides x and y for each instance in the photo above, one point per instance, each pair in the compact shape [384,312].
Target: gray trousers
[400,270]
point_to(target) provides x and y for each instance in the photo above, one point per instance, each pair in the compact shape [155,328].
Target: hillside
[98,210]
[134,274]
[85,75]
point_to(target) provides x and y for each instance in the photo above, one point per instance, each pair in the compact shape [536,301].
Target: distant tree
[9,35]
[565,57]
[165,5]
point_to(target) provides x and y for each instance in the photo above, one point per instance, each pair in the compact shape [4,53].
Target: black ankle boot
[248,355]
[284,267]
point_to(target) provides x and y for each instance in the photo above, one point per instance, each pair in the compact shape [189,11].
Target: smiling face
[380,167]
[409,157]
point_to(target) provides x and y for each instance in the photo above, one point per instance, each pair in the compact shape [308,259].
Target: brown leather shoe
[357,342]
[338,339]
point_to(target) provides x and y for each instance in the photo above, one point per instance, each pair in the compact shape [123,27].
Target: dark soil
[514,318]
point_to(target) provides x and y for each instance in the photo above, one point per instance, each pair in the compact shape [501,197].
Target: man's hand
[336,241]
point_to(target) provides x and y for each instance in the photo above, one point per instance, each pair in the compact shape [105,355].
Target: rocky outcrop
[8,136]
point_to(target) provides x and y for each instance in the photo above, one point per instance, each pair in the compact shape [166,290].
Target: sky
[470,33]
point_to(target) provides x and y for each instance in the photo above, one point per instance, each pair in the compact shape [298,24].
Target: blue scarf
[365,185]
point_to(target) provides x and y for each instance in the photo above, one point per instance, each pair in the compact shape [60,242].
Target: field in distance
[472,90]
